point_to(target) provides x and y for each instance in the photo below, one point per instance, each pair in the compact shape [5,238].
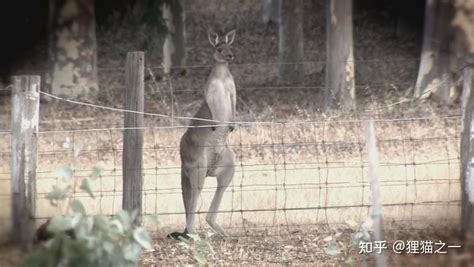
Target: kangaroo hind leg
[224,172]
[192,182]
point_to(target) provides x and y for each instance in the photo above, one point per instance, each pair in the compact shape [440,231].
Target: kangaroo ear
[229,37]
[213,38]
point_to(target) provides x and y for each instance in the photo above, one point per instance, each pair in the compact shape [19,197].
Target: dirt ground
[305,245]
[295,245]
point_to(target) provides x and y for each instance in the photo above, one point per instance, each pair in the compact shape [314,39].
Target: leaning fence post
[24,131]
[376,211]
[133,132]
[467,153]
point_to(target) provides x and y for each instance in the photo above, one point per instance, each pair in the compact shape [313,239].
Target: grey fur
[205,151]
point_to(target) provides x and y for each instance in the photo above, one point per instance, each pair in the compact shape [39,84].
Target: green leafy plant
[80,239]
[361,234]
[199,248]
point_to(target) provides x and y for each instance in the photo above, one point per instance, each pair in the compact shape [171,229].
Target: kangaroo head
[223,48]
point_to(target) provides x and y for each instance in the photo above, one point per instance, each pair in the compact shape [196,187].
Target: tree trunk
[464,23]
[74,68]
[340,84]
[174,48]
[434,75]
[269,11]
[290,45]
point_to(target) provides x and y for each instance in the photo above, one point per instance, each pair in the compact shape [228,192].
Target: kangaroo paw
[178,235]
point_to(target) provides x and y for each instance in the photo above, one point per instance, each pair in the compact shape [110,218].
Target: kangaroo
[204,150]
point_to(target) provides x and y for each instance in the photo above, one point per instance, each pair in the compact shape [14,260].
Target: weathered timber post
[24,133]
[133,133]
[376,211]
[467,153]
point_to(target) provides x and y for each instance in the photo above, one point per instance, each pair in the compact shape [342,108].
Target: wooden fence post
[376,211]
[133,138]
[467,153]
[24,131]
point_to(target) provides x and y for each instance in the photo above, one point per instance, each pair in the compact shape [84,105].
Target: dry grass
[315,166]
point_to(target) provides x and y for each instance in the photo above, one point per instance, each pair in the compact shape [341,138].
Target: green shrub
[80,239]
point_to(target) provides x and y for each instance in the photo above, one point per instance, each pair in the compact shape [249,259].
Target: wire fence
[313,172]
[289,172]
[309,173]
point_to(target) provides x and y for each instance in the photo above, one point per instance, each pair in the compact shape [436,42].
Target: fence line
[405,100]
[123,110]
[283,164]
[321,167]
[255,123]
[282,180]
[215,121]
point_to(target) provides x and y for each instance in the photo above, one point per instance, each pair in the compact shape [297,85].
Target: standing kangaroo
[204,150]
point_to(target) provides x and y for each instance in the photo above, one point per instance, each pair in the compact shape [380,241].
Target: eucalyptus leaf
[117,226]
[366,235]
[59,224]
[142,237]
[332,250]
[194,237]
[97,170]
[101,221]
[113,233]
[65,173]
[90,241]
[89,223]
[58,193]
[200,258]
[76,206]
[81,231]
[134,215]
[185,242]
[109,247]
[124,217]
[76,219]
[131,252]
[86,187]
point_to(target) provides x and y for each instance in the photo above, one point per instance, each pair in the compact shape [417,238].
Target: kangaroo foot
[178,235]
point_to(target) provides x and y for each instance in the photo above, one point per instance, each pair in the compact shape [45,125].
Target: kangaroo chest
[220,90]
